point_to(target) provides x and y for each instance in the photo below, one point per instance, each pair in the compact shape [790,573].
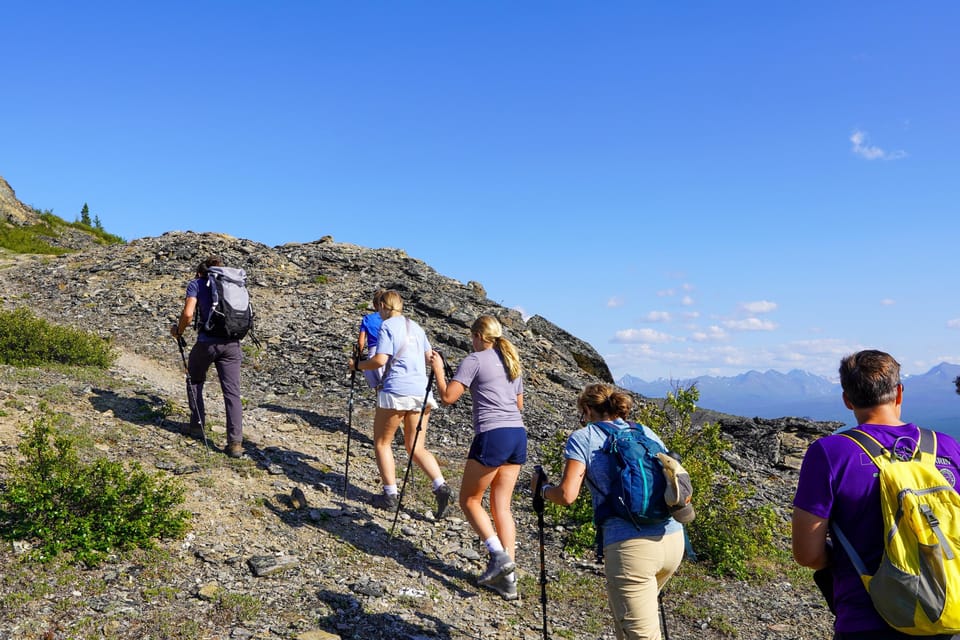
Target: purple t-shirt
[838,481]
[494,395]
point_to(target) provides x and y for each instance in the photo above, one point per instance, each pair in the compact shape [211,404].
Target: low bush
[28,341]
[62,504]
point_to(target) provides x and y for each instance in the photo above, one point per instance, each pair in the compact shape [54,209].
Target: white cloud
[657,316]
[888,302]
[954,324]
[666,293]
[686,301]
[750,324]
[760,306]
[644,336]
[869,152]
[712,333]
[614,302]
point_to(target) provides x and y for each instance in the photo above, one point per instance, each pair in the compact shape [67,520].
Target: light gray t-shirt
[407,368]
[494,395]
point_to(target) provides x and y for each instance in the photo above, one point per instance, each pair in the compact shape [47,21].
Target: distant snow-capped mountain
[930,399]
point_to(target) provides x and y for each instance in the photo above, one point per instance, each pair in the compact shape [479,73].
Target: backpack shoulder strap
[867,442]
[925,450]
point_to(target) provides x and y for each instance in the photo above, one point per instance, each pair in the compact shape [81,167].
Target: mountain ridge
[930,398]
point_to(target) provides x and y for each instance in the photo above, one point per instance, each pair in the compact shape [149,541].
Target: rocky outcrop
[12,210]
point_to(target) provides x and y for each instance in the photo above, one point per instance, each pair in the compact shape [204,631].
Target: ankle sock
[493,544]
[390,489]
[438,482]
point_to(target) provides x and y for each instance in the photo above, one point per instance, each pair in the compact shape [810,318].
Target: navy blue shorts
[506,445]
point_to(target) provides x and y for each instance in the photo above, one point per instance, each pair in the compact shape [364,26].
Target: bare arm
[809,539]
[449,392]
[567,491]
[186,317]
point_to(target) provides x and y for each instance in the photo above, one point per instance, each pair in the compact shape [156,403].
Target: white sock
[493,544]
[438,482]
[390,489]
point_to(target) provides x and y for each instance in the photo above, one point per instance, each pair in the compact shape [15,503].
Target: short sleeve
[814,490]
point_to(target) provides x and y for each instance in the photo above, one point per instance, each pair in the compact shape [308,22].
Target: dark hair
[605,400]
[212,261]
[869,378]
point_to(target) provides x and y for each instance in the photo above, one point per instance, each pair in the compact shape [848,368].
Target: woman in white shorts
[403,351]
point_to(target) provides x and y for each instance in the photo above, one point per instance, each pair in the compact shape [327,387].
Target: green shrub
[726,533]
[36,238]
[27,341]
[90,509]
[29,239]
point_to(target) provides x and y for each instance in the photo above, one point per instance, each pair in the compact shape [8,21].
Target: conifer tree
[85,215]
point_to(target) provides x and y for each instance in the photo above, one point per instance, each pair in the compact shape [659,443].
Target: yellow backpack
[917,587]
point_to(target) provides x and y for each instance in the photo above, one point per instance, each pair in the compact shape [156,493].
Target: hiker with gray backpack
[640,535]
[218,305]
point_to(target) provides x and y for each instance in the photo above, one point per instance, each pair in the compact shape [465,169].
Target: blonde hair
[605,400]
[489,330]
[392,302]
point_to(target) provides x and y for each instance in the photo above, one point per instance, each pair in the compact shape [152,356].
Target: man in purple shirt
[838,486]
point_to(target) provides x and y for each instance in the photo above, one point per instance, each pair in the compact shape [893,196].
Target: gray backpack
[230,315]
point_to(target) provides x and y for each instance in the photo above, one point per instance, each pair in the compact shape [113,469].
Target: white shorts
[396,402]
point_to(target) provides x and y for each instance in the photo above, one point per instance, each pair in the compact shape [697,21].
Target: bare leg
[476,479]
[501,495]
[385,424]
[424,459]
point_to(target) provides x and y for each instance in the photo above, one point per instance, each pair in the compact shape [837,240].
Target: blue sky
[693,188]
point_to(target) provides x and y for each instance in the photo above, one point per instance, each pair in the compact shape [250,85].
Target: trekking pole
[538,506]
[192,396]
[353,379]
[663,616]
[413,450]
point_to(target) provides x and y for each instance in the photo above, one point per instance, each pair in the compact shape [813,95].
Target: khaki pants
[636,570]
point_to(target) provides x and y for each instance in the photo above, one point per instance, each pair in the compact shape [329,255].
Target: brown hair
[869,378]
[605,400]
[212,261]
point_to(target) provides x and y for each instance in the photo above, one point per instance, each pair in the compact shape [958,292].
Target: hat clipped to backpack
[679,491]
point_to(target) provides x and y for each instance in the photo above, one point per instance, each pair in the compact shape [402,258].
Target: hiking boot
[234,449]
[499,565]
[386,501]
[442,494]
[506,586]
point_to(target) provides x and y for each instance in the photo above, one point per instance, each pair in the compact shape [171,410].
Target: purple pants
[226,357]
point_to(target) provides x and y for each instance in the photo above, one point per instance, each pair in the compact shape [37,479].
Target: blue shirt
[371,326]
[407,375]
[585,445]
